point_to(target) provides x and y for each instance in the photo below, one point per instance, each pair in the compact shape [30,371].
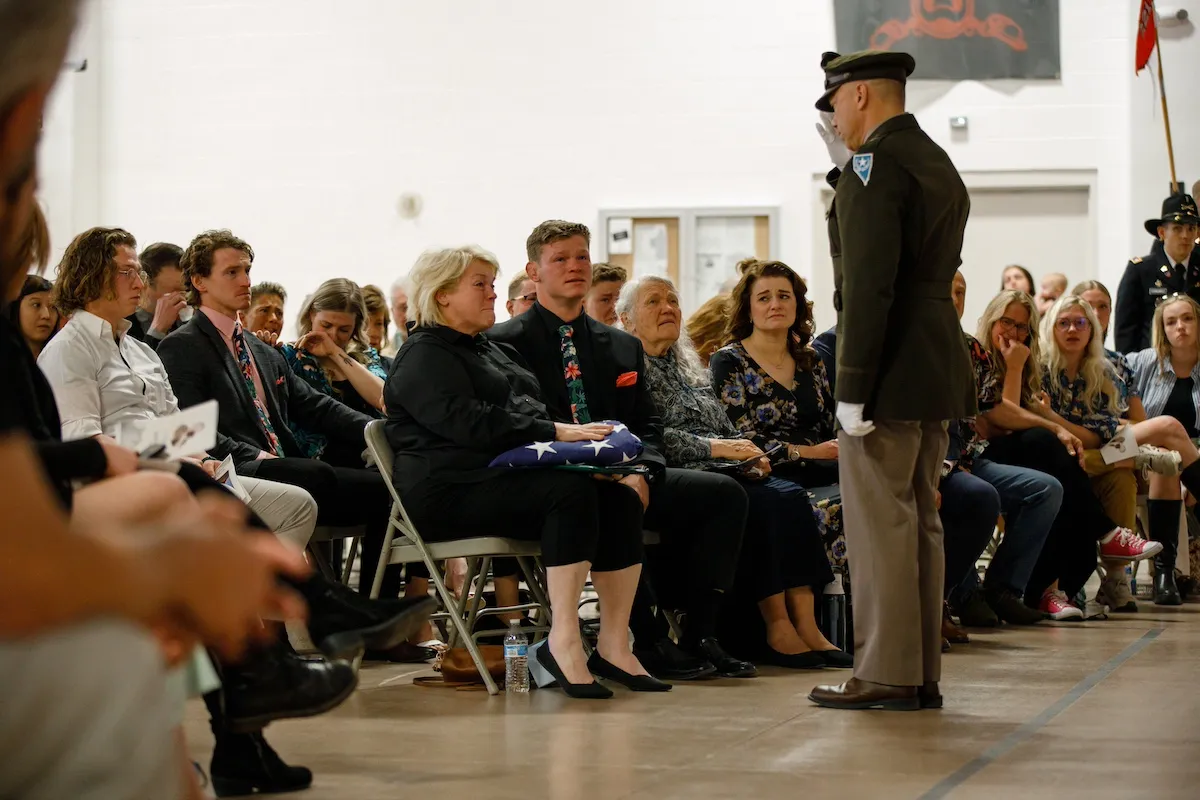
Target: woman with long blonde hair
[1018,436]
[1167,375]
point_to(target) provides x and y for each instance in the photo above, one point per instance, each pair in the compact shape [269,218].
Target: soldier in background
[1172,267]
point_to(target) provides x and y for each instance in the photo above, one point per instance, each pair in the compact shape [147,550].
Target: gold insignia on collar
[1135,260]
[1158,284]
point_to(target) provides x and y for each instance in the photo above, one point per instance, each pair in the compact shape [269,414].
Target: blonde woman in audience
[378,320]
[1016,278]
[1168,377]
[1020,437]
[783,561]
[455,401]
[706,327]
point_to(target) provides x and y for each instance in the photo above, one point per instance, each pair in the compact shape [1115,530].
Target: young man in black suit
[212,358]
[591,372]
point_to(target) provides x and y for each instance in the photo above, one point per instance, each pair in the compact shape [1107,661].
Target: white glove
[851,417]
[839,154]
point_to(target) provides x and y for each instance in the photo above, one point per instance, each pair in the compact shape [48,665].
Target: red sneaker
[1125,545]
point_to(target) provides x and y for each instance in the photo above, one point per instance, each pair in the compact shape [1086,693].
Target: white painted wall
[298,123]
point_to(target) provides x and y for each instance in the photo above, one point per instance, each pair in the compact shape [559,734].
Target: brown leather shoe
[857,695]
[929,695]
[951,631]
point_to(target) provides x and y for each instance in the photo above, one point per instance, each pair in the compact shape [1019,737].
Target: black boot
[273,683]
[244,764]
[344,623]
[1163,516]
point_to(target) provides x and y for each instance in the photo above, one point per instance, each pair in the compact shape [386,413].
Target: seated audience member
[589,371]
[1053,286]
[521,295]
[1028,499]
[213,358]
[264,318]
[399,317]
[103,379]
[771,382]
[33,314]
[826,346]
[1019,437]
[600,303]
[1168,379]
[163,307]
[783,561]
[333,356]
[1016,279]
[378,320]
[706,327]
[455,401]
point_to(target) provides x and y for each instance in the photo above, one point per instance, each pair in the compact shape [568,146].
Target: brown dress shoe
[929,695]
[857,695]
[951,631]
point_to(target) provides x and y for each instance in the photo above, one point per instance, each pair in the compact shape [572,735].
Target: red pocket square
[279,382]
[626,379]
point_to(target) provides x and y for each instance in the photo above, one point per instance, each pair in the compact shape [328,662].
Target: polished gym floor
[1096,710]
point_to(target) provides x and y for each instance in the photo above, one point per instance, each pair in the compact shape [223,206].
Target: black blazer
[454,403]
[201,368]
[613,353]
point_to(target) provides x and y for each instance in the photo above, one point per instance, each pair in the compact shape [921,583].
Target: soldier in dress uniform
[895,234]
[1173,267]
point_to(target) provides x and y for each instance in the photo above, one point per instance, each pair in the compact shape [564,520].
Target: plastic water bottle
[516,660]
[1132,580]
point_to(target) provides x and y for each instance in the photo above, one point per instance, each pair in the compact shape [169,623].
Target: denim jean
[969,509]
[1029,501]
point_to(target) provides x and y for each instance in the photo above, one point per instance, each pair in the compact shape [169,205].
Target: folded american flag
[619,447]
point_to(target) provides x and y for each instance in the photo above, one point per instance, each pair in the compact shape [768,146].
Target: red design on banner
[948,19]
[1146,36]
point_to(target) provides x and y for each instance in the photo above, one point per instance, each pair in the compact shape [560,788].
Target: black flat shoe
[580,691]
[806,660]
[836,659]
[602,668]
[275,684]
[245,764]
[664,660]
[727,666]
[343,623]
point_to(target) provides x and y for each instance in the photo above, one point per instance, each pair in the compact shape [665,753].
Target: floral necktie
[264,419]
[573,376]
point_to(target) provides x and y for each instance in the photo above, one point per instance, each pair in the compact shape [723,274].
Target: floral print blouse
[1066,398]
[1122,378]
[765,411]
[309,369]
[691,415]
[966,444]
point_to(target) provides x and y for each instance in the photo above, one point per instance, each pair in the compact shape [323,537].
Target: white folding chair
[460,612]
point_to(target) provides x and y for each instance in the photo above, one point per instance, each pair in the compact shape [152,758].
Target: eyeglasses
[1012,324]
[1073,323]
[529,298]
[131,273]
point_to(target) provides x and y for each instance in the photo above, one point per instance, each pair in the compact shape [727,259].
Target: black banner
[958,39]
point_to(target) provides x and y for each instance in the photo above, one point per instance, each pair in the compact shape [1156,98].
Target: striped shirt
[1155,382]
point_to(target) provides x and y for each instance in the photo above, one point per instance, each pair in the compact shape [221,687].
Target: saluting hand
[839,153]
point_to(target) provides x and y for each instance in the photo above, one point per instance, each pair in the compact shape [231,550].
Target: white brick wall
[298,123]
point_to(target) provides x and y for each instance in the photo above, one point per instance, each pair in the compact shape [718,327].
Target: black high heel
[580,691]
[603,668]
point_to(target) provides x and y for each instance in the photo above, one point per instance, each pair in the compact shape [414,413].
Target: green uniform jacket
[895,234]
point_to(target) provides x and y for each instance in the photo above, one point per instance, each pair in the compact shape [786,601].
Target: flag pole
[1162,88]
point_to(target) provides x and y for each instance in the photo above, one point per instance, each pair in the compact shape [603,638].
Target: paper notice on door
[620,236]
[1122,446]
[650,249]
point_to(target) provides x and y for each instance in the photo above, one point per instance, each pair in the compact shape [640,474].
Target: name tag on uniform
[1158,291]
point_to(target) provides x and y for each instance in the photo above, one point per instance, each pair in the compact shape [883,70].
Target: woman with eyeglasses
[1019,436]
[1167,375]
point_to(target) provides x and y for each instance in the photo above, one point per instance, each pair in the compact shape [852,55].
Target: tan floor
[1135,733]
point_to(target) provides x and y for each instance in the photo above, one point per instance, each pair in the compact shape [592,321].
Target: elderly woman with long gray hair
[783,560]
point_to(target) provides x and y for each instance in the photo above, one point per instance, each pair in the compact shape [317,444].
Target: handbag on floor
[459,672]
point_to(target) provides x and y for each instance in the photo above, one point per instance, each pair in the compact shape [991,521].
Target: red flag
[1146,36]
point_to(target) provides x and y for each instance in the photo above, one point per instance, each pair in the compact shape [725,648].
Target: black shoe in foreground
[244,764]
[580,691]
[976,612]
[344,623]
[727,666]
[666,661]
[809,659]
[1010,607]
[275,685]
[603,668]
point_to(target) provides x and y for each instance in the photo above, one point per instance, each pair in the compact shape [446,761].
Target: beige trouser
[290,511]
[85,714]
[894,548]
